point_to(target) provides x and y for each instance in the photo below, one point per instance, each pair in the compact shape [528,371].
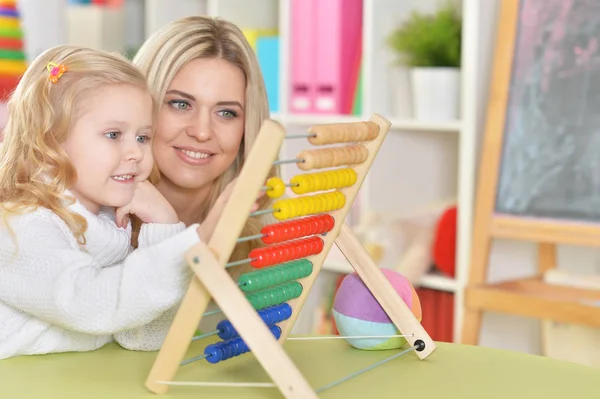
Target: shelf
[415,125]
[432,281]
[438,282]
[537,299]
[397,123]
[315,119]
[337,266]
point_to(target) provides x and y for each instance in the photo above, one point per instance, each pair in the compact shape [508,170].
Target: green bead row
[275,295]
[268,277]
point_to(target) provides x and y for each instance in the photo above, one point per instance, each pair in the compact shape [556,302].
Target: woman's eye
[228,114]
[179,104]
[112,135]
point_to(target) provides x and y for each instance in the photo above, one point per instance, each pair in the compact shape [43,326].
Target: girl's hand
[206,228]
[149,205]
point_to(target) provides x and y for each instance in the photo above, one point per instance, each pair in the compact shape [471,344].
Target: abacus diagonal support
[382,290]
[222,242]
[254,331]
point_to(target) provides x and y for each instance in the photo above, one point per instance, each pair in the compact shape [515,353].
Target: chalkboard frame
[524,296]
[487,221]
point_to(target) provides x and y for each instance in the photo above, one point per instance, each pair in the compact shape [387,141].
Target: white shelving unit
[421,161]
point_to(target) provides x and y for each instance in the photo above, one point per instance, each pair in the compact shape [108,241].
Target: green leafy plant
[429,40]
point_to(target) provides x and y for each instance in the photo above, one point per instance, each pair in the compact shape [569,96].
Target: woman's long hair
[173,46]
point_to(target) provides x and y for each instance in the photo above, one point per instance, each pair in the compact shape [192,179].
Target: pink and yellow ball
[357,313]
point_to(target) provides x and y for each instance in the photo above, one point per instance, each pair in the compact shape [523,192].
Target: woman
[207,81]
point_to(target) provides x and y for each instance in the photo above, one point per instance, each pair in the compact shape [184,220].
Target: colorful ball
[357,313]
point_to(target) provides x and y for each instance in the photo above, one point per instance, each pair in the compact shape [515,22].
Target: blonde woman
[77,147]
[212,101]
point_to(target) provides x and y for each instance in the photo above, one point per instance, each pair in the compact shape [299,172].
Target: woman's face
[201,123]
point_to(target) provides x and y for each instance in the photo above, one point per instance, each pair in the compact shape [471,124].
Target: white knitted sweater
[56,297]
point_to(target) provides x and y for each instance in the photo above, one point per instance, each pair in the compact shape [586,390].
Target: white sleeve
[46,277]
[148,337]
[153,233]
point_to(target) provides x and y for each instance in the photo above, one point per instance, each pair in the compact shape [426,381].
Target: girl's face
[201,123]
[109,146]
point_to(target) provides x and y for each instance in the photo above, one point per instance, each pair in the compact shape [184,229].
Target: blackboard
[550,162]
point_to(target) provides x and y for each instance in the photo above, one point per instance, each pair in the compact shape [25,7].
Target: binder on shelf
[303,62]
[338,50]
[267,50]
[252,35]
[438,313]
[352,101]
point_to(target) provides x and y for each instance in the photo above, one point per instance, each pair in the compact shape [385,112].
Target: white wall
[44,24]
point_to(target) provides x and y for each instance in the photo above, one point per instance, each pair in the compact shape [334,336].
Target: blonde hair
[34,169]
[174,45]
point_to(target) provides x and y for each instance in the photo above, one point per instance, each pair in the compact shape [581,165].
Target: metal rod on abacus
[264,212]
[300,136]
[250,238]
[212,312]
[210,334]
[265,188]
[194,359]
[295,160]
[364,370]
[323,337]
[238,262]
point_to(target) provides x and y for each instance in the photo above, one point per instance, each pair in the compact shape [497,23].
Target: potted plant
[430,46]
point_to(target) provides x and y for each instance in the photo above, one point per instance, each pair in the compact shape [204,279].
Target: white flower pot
[435,93]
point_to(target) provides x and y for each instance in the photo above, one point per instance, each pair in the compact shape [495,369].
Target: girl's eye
[142,139]
[228,114]
[179,104]
[112,135]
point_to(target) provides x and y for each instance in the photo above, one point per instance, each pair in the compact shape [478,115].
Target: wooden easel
[212,280]
[529,297]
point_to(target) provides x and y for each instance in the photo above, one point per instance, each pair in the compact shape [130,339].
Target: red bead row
[276,254]
[308,226]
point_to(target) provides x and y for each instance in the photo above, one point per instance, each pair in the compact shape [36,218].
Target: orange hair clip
[56,71]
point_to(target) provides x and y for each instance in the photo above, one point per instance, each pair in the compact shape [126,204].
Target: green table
[452,371]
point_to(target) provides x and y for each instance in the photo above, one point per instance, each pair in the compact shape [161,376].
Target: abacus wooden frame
[208,263]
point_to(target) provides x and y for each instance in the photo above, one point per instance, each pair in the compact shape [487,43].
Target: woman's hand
[149,205]
[206,228]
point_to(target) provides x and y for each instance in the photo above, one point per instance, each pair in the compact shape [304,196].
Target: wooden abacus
[259,315]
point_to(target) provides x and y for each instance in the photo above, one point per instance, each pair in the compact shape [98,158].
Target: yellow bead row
[323,181]
[311,182]
[308,205]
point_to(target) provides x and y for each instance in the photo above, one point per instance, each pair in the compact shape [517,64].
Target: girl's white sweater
[58,297]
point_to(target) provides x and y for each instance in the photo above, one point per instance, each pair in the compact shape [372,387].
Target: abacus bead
[330,223]
[318,204]
[284,210]
[353,176]
[309,160]
[226,330]
[269,234]
[213,353]
[275,187]
[299,184]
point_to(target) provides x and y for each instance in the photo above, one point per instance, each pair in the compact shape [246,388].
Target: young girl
[73,165]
